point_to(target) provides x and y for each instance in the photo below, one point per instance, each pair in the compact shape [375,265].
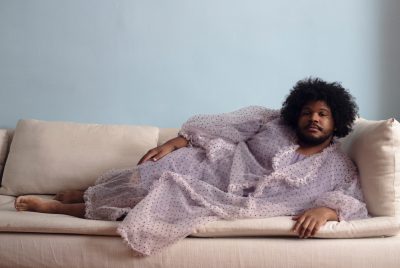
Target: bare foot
[70,196]
[32,203]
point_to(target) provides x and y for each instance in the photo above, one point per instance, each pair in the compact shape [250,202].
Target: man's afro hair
[343,107]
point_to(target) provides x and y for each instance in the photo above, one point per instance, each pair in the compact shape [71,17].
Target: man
[251,163]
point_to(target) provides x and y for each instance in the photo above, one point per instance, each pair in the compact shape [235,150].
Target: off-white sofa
[41,158]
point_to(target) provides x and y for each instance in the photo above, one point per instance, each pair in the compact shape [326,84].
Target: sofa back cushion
[375,148]
[47,157]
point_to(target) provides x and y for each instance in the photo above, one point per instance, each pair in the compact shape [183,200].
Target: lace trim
[187,137]
[292,179]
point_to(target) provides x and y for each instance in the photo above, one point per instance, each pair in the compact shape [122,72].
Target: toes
[19,204]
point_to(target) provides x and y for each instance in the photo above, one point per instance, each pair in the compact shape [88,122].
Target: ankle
[51,207]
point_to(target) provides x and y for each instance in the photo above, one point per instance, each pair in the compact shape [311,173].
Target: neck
[307,149]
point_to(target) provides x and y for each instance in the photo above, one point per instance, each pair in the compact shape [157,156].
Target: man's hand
[308,223]
[161,151]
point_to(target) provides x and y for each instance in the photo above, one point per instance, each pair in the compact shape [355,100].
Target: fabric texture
[375,148]
[57,156]
[240,166]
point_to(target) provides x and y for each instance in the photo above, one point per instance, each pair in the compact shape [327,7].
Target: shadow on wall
[389,59]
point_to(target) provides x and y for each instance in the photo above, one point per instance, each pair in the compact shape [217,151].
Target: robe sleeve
[346,199]
[232,127]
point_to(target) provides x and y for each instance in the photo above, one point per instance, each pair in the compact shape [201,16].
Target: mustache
[314,125]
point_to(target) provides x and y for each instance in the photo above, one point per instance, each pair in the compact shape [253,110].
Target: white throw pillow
[47,157]
[375,148]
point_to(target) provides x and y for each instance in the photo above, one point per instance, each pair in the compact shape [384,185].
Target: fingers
[160,155]
[150,154]
[306,226]
[299,221]
[316,228]
[156,153]
[309,229]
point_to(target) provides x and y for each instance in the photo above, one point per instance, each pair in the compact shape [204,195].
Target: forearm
[177,142]
[234,127]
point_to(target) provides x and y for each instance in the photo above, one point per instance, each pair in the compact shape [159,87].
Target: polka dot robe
[238,165]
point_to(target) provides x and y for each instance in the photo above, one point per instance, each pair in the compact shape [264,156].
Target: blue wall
[158,62]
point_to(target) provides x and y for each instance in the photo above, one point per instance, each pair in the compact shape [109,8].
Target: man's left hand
[308,223]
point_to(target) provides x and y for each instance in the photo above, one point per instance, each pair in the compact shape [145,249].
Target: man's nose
[314,117]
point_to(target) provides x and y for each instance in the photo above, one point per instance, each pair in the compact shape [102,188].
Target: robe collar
[301,172]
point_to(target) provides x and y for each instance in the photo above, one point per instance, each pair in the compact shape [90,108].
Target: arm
[231,127]
[346,199]
[343,202]
[163,150]
[212,132]
[346,196]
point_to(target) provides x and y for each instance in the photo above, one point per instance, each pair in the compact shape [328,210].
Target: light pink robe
[240,165]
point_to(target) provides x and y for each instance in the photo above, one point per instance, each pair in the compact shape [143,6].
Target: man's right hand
[161,151]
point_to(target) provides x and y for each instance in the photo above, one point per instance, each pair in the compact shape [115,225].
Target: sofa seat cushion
[32,222]
[47,157]
[30,250]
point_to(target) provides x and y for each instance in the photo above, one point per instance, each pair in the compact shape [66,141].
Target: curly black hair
[342,104]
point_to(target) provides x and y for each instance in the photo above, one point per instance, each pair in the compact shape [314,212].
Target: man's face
[315,124]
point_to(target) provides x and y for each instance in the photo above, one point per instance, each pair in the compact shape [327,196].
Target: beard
[310,140]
